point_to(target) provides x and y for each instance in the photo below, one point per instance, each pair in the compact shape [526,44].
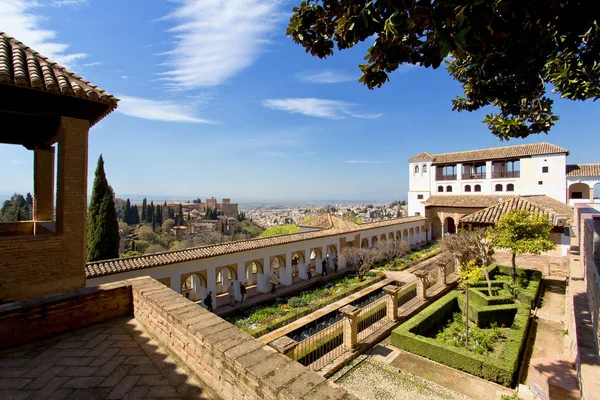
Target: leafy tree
[280,230]
[241,216]
[147,234]
[15,209]
[249,229]
[125,228]
[167,225]
[102,226]
[352,217]
[154,248]
[504,53]
[144,210]
[469,274]
[29,200]
[522,233]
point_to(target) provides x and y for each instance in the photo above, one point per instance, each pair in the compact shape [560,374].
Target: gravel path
[369,379]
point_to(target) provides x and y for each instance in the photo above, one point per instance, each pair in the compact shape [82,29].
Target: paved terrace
[112,360]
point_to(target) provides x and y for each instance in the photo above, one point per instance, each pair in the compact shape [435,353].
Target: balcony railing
[451,177]
[474,175]
[506,174]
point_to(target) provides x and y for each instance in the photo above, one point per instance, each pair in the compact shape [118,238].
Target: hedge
[301,312]
[485,316]
[501,368]
[479,296]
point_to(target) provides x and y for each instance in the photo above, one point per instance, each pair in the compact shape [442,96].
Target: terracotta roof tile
[23,67]
[522,150]
[537,205]
[108,267]
[583,170]
[424,156]
[465,200]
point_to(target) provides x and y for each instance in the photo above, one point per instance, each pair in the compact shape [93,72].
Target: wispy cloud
[321,108]
[366,162]
[92,64]
[19,21]
[19,162]
[124,77]
[277,154]
[159,110]
[329,76]
[69,3]
[216,39]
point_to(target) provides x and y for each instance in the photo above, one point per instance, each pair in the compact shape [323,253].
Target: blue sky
[217,101]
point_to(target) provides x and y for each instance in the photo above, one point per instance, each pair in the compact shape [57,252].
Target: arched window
[254,268]
[498,188]
[424,169]
[440,188]
[416,169]
[477,188]
[448,188]
[510,187]
[467,188]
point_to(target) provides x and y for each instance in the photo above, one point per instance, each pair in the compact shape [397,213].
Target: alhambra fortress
[118,327]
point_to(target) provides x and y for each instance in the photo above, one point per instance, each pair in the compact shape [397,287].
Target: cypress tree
[159,216]
[135,214]
[127,213]
[154,222]
[144,211]
[150,212]
[102,226]
[180,216]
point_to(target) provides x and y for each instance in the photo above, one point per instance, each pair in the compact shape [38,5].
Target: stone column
[392,302]
[241,275]
[43,184]
[350,324]
[488,172]
[71,204]
[421,290]
[285,346]
[459,172]
[318,260]
[262,279]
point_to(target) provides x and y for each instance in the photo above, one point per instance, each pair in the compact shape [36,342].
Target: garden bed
[272,315]
[413,257]
[434,332]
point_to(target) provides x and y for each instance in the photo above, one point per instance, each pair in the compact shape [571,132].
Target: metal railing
[506,174]
[473,175]
[408,296]
[320,349]
[371,317]
[448,177]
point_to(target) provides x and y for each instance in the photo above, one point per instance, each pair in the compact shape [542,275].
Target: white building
[529,169]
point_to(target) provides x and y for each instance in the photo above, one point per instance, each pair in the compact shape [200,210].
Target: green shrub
[480,341]
[297,302]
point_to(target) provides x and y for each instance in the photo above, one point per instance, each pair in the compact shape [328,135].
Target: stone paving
[113,360]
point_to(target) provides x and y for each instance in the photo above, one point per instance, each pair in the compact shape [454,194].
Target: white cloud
[321,108]
[159,110]
[124,77]
[69,3]
[330,76]
[216,39]
[92,64]
[366,162]
[19,21]
[18,162]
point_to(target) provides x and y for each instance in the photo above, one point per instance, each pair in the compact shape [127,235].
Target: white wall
[554,182]
[419,184]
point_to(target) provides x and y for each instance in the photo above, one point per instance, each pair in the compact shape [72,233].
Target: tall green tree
[504,53]
[102,225]
[150,211]
[521,232]
[180,216]
[144,210]
[135,214]
[16,208]
[127,213]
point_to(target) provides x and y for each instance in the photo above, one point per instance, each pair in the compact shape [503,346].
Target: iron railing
[473,175]
[408,296]
[320,349]
[506,174]
[371,318]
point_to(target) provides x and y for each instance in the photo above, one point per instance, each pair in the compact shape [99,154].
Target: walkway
[114,360]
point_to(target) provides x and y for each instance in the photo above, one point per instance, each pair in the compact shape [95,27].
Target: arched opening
[405,235]
[449,225]
[477,188]
[467,188]
[331,255]
[225,275]
[194,287]
[416,169]
[579,191]
[436,228]
[374,241]
[252,270]
[440,188]
[510,187]
[315,260]
[498,187]
[391,236]
[596,195]
[382,237]
[411,236]
[448,188]
[297,261]
[424,168]
[276,264]
[365,243]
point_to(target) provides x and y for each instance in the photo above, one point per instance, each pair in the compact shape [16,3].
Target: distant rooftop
[522,150]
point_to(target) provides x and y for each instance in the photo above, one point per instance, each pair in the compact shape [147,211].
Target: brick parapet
[36,318]
[228,361]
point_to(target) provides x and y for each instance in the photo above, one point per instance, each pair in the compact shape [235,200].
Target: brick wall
[16,228]
[28,320]
[549,265]
[230,362]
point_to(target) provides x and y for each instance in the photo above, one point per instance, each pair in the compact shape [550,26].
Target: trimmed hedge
[301,312]
[501,368]
[479,296]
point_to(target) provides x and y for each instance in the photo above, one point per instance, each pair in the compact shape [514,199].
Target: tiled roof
[583,170]
[23,67]
[537,205]
[424,156]
[522,150]
[465,200]
[320,222]
[108,267]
